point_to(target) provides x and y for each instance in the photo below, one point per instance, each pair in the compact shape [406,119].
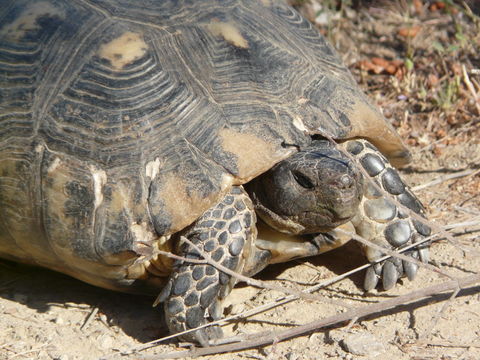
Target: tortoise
[128,128]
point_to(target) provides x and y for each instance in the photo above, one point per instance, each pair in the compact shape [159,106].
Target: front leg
[381,221]
[194,293]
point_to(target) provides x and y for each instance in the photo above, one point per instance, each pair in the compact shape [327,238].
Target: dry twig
[268,337]
[89,318]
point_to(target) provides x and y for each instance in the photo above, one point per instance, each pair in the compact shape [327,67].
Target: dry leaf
[418,5]
[437,5]
[409,32]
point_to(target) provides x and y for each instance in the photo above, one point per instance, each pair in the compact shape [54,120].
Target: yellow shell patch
[229,32]
[27,21]
[123,50]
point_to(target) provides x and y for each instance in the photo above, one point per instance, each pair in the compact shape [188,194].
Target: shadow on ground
[41,289]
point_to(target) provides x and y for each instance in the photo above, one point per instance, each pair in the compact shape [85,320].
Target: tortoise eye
[302,180]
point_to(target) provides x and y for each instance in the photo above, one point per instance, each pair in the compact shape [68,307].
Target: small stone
[59,320]
[42,355]
[317,338]
[61,357]
[105,342]
[334,336]
[291,356]
[363,344]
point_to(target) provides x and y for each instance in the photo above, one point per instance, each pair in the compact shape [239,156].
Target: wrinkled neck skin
[313,191]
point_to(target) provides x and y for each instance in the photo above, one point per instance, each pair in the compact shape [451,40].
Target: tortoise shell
[121,122]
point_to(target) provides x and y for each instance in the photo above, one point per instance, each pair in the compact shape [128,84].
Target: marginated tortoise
[127,126]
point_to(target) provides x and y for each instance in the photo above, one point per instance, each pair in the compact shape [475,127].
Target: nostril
[346,181]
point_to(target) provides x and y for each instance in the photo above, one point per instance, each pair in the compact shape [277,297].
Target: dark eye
[302,180]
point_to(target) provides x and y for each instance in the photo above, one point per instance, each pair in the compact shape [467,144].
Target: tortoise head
[315,190]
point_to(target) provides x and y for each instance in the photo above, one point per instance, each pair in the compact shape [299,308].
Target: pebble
[105,342]
[363,344]
[292,356]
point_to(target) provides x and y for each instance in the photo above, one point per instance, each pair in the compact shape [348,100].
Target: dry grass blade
[89,318]
[471,88]
[444,178]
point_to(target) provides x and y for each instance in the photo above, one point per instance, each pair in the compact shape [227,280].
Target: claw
[199,336]
[164,294]
[390,275]
[206,335]
[215,311]
[410,269]
[424,254]
[398,264]
[371,279]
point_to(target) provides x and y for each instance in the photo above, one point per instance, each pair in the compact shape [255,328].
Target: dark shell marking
[196,289]
[381,219]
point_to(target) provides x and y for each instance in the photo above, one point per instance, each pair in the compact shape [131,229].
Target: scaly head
[313,191]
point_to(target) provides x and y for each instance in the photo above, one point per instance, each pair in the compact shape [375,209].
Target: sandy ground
[45,315]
